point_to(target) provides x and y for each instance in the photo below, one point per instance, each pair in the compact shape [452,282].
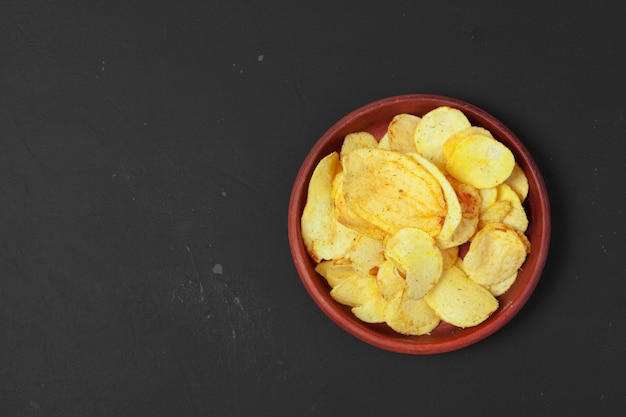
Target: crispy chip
[411,317]
[434,129]
[458,300]
[383,143]
[480,161]
[357,140]
[451,142]
[361,293]
[417,256]
[334,272]
[454,214]
[401,131]
[516,217]
[518,182]
[390,282]
[324,236]
[496,252]
[391,191]
[347,217]
[503,286]
[495,213]
[366,255]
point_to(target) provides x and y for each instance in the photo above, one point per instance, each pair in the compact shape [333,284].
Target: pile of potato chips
[385,222]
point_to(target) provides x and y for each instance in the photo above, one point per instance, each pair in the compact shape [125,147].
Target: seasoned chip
[347,217]
[401,131]
[391,191]
[503,286]
[411,317]
[518,182]
[516,217]
[357,140]
[361,293]
[451,142]
[416,255]
[390,282]
[366,255]
[434,129]
[334,272]
[496,252]
[495,213]
[383,143]
[480,161]
[323,236]
[454,214]
[488,197]
[458,300]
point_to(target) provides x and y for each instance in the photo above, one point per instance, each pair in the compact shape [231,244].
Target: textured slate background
[147,153]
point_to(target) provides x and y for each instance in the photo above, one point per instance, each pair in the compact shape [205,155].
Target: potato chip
[452,141]
[488,197]
[347,217]
[411,317]
[389,281]
[434,129]
[366,255]
[496,252]
[357,140]
[334,272]
[503,286]
[495,213]
[450,256]
[480,161]
[518,182]
[323,235]
[454,212]
[417,256]
[383,143]
[516,217]
[458,300]
[401,131]
[362,294]
[391,191]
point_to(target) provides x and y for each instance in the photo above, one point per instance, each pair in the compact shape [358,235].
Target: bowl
[374,118]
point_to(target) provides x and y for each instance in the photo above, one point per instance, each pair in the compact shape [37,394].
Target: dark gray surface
[147,155]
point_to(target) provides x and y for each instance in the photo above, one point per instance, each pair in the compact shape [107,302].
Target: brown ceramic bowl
[374,118]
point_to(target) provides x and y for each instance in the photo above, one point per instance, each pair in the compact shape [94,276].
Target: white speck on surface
[218,269]
[223,193]
[33,404]
[260,58]
[102,67]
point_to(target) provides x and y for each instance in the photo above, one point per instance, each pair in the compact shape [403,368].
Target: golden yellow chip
[391,191]
[516,217]
[347,217]
[361,293]
[453,206]
[366,255]
[458,300]
[357,140]
[390,282]
[434,129]
[324,236]
[451,142]
[495,213]
[334,272]
[383,143]
[496,252]
[503,286]
[488,197]
[518,182]
[450,256]
[417,256]
[401,131]
[480,161]
[411,317]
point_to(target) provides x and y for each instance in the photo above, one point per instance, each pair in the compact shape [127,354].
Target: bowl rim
[364,331]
